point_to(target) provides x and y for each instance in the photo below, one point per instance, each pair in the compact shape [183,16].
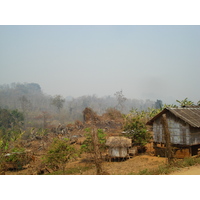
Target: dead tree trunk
[169,153]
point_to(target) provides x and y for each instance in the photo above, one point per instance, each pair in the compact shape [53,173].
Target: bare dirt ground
[130,166]
[133,165]
[193,170]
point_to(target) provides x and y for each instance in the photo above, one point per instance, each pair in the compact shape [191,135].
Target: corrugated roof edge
[150,122]
[173,111]
[194,123]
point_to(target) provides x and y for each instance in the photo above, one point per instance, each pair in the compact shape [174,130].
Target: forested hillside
[29,99]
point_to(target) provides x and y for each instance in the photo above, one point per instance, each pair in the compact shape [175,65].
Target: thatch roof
[117,141]
[190,115]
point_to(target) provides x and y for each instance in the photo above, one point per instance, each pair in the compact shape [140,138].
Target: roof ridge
[185,108]
[188,115]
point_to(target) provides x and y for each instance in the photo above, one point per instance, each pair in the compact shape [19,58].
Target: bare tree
[121,99]
[94,145]
[97,153]
[44,116]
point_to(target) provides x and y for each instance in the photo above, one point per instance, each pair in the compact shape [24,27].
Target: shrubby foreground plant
[59,154]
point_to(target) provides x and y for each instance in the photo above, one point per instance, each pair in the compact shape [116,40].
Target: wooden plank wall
[180,132]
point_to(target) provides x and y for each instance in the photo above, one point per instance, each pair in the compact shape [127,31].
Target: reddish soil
[130,166]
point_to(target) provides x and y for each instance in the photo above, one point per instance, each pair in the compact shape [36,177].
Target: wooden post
[155,148]
[190,151]
[97,154]
[167,139]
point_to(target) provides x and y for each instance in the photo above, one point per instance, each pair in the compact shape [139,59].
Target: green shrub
[87,145]
[136,130]
[164,169]
[169,168]
[144,172]
[59,153]
[94,145]
[71,171]
[15,159]
[189,161]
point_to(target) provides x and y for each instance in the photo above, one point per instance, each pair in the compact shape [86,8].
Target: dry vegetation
[36,144]
[112,124]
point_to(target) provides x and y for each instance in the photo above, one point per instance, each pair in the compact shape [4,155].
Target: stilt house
[184,129]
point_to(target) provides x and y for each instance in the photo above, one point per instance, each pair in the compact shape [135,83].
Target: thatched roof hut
[118,146]
[117,141]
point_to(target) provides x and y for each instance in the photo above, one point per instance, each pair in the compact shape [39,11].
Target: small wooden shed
[118,146]
[184,129]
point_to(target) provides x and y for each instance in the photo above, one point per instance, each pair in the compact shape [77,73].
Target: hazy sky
[146,62]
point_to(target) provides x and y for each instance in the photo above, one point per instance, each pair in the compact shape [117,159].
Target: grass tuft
[169,168]
[71,171]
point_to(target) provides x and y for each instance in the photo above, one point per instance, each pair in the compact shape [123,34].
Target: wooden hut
[184,130]
[118,146]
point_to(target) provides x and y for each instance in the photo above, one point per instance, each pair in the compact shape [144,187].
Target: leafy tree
[10,118]
[10,134]
[16,158]
[136,130]
[34,87]
[185,102]
[169,106]
[18,117]
[9,138]
[158,104]
[59,153]
[153,112]
[10,127]
[88,145]
[25,103]
[58,102]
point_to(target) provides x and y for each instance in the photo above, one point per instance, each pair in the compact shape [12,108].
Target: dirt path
[194,170]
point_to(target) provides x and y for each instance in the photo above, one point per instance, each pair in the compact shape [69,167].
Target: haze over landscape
[146,62]
[145,50]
